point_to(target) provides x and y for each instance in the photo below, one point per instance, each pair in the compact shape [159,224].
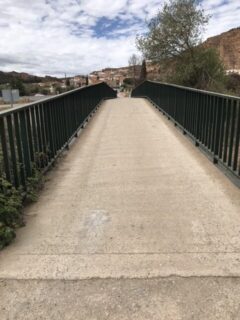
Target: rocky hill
[228,45]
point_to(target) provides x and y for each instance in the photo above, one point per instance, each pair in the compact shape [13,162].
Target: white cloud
[225,15]
[57,36]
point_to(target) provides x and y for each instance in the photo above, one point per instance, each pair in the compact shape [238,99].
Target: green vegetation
[174,43]
[10,212]
[34,184]
[18,84]
[67,82]
[233,84]
[59,89]
[128,82]
[7,77]
[174,30]
[10,209]
[11,203]
[143,74]
[204,70]
[25,89]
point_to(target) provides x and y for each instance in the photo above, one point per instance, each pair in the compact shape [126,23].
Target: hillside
[228,45]
[6,77]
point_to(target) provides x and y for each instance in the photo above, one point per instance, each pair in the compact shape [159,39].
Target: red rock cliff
[228,45]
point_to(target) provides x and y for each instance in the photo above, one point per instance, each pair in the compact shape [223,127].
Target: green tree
[67,82]
[143,74]
[128,82]
[175,29]
[31,89]
[18,84]
[174,42]
[44,91]
[204,71]
[59,89]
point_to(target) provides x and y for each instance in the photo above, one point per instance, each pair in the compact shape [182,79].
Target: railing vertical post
[25,144]
[19,150]
[217,133]
[184,111]
[211,119]
[233,119]
[236,153]
[5,150]
[13,151]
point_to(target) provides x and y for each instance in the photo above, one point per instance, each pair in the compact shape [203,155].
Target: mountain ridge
[228,46]
[6,77]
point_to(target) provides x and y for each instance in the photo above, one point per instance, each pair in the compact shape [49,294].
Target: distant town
[32,88]
[123,79]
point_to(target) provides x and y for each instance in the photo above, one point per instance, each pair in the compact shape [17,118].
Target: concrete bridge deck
[133,223]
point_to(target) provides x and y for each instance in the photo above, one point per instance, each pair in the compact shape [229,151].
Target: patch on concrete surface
[96,219]
[93,228]
[200,235]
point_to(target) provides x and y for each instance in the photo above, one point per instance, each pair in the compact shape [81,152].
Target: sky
[54,37]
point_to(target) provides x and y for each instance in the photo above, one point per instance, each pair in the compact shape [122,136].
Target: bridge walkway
[134,223]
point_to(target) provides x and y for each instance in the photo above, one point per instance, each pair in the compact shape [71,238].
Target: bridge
[139,216]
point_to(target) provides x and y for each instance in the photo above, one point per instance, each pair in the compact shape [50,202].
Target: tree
[59,90]
[18,84]
[143,74]
[128,82]
[44,91]
[68,82]
[175,29]
[174,42]
[205,71]
[133,62]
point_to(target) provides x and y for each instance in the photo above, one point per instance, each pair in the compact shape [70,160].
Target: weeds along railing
[34,135]
[211,119]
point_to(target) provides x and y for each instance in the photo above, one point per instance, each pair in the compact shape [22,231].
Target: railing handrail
[54,97]
[211,119]
[218,94]
[34,135]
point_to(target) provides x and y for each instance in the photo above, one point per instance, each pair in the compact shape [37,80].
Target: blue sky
[79,36]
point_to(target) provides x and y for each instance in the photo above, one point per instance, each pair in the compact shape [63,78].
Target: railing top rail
[192,89]
[55,97]
[211,119]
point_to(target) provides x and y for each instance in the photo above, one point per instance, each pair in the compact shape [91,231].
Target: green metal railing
[211,119]
[35,134]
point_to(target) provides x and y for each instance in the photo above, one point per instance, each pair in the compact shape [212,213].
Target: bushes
[202,69]
[233,83]
[10,212]
[6,235]
[34,184]
[11,203]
